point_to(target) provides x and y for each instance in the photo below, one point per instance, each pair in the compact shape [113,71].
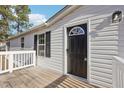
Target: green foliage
[6,16]
[22,19]
[13,18]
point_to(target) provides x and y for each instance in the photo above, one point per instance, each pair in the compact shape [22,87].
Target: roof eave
[62,13]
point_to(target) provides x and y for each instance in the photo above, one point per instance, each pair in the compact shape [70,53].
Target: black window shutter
[22,42]
[48,42]
[35,43]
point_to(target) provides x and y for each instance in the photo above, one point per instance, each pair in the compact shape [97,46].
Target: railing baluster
[34,59]
[21,59]
[1,62]
[24,60]
[12,60]
[29,59]
[10,63]
[5,63]
[17,60]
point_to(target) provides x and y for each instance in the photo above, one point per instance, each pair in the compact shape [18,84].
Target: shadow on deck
[69,82]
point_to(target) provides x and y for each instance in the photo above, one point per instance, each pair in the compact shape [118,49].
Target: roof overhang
[58,16]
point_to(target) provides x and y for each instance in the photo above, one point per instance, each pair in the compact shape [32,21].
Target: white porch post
[10,62]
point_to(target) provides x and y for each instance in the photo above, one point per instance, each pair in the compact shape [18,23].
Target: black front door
[77,50]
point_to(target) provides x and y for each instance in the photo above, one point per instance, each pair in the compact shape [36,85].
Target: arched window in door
[76,31]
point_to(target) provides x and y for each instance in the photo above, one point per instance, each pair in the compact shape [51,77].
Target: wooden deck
[35,77]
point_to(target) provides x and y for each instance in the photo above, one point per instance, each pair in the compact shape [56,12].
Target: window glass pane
[22,45]
[41,50]
[41,39]
[22,39]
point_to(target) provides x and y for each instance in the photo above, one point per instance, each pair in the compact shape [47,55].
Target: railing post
[10,62]
[34,58]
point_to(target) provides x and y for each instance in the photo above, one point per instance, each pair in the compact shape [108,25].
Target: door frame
[83,21]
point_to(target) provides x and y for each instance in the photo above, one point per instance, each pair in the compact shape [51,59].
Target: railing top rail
[118,60]
[16,52]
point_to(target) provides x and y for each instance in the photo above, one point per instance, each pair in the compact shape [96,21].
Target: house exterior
[78,40]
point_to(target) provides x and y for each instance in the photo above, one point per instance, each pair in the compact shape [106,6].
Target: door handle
[67,50]
[85,59]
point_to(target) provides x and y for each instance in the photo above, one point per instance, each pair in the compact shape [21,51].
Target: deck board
[37,77]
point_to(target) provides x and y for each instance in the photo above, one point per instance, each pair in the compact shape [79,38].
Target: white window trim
[88,45]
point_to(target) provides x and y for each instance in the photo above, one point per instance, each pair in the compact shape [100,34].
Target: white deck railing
[12,60]
[118,72]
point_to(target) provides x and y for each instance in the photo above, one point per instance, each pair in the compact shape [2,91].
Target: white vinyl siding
[56,60]
[57,49]
[15,44]
[104,42]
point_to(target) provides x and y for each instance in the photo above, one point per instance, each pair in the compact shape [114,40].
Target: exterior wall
[29,41]
[56,60]
[15,44]
[104,41]
[105,38]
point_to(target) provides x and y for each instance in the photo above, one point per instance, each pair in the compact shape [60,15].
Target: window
[22,42]
[41,45]
[76,31]
[44,44]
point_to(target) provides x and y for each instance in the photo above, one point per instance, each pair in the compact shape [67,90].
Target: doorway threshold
[78,78]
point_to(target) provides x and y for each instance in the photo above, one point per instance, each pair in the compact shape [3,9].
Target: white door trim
[88,45]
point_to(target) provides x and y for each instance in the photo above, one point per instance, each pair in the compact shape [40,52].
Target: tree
[22,19]
[5,17]
[13,18]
